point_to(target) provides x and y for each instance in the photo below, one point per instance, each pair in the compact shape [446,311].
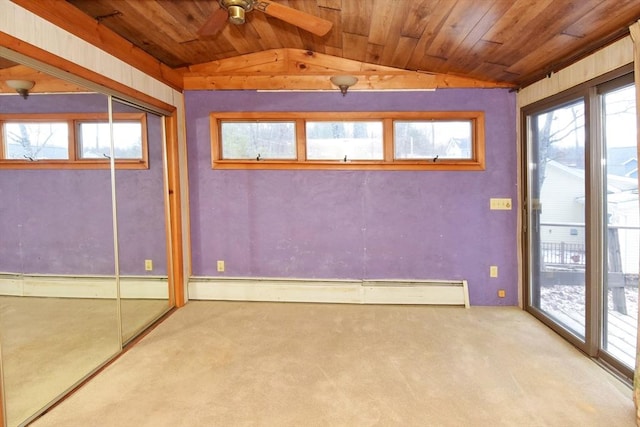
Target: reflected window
[73,141]
[94,140]
[36,140]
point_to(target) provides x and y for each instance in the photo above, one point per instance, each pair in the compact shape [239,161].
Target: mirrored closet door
[58,307]
[83,255]
[140,189]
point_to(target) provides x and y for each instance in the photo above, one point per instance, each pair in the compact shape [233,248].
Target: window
[259,140]
[72,141]
[433,139]
[373,140]
[344,140]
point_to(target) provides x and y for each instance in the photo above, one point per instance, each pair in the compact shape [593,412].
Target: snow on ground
[570,299]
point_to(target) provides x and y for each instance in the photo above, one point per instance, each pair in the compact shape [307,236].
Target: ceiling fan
[234,12]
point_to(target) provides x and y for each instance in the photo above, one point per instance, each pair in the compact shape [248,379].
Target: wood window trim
[477,163]
[74,162]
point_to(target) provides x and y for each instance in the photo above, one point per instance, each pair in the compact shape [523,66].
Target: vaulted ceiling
[508,43]
[505,41]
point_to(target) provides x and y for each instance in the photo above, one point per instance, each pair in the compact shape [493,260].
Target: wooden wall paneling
[320,62]
[268,61]
[298,69]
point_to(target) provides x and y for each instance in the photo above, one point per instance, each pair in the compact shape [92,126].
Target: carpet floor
[285,364]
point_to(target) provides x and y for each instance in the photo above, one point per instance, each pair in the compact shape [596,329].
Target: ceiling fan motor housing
[237,9]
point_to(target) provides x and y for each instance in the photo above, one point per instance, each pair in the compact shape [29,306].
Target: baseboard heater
[379,291]
[79,286]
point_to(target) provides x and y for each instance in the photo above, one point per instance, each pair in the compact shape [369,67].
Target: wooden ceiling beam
[295,69]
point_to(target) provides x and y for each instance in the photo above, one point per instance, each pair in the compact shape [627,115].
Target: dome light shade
[344,82]
[21,86]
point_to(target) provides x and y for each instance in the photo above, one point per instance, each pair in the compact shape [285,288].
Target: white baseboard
[388,291]
[62,286]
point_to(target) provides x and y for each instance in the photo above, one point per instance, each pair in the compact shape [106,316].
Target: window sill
[410,165]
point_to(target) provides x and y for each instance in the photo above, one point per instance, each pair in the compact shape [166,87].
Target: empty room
[319,212]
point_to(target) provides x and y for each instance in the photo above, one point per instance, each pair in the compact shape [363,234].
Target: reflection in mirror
[58,306]
[140,188]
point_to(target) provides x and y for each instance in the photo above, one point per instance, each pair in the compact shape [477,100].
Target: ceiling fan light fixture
[21,86]
[344,82]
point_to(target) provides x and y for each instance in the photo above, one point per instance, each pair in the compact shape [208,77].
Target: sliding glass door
[582,218]
[621,226]
[558,182]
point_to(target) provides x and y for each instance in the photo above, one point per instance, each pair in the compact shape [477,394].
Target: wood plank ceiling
[507,41]
[483,43]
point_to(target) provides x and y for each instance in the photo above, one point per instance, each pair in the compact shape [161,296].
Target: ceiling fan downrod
[237,9]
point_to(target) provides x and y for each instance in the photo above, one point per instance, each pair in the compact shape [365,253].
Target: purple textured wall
[357,224]
[59,221]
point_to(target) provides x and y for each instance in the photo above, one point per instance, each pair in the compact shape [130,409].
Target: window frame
[476,163]
[74,161]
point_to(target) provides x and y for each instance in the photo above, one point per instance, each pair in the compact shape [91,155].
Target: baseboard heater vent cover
[386,291]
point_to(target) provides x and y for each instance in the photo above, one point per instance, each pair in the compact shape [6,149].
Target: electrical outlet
[148,265]
[502,293]
[500,204]
[220,266]
[493,271]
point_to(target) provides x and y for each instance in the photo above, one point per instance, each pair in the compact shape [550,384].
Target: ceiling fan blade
[307,22]
[216,22]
